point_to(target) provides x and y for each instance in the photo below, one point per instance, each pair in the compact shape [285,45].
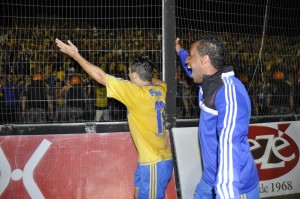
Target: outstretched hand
[69,49]
[178,44]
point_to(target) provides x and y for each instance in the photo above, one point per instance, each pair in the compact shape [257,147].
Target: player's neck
[143,83]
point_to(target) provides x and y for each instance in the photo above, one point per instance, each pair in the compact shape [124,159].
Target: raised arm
[183,55]
[178,45]
[70,49]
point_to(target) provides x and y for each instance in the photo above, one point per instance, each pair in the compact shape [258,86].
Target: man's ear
[134,75]
[204,59]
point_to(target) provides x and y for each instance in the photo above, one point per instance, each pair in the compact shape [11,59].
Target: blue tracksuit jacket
[223,128]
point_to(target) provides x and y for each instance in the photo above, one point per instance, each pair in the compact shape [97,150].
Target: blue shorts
[152,180]
[205,191]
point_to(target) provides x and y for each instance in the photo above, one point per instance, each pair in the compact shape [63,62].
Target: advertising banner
[275,148]
[189,166]
[83,166]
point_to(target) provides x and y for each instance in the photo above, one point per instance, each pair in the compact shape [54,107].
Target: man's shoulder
[162,87]
[117,83]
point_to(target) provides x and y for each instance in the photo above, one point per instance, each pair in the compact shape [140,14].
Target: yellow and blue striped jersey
[146,112]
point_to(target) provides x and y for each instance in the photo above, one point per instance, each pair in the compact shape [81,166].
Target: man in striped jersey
[229,168]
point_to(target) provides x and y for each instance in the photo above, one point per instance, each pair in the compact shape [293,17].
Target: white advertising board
[187,150]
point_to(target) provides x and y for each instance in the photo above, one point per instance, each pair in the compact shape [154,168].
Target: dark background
[241,16]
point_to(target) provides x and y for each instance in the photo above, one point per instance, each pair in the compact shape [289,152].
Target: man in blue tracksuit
[229,168]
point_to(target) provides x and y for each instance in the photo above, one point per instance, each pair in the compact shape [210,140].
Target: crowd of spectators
[38,84]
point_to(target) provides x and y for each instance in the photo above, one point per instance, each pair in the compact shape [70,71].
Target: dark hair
[214,48]
[143,66]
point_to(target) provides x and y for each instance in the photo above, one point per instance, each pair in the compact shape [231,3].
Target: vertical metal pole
[168,60]
[169,70]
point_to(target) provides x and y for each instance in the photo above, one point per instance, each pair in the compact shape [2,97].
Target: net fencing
[41,85]
[262,38]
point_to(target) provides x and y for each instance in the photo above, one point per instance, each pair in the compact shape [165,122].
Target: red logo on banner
[275,152]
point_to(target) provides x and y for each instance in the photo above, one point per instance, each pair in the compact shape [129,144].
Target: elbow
[101,79]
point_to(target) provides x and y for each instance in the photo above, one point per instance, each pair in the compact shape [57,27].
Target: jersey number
[160,116]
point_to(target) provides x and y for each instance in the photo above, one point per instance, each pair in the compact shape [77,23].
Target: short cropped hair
[214,48]
[144,67]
